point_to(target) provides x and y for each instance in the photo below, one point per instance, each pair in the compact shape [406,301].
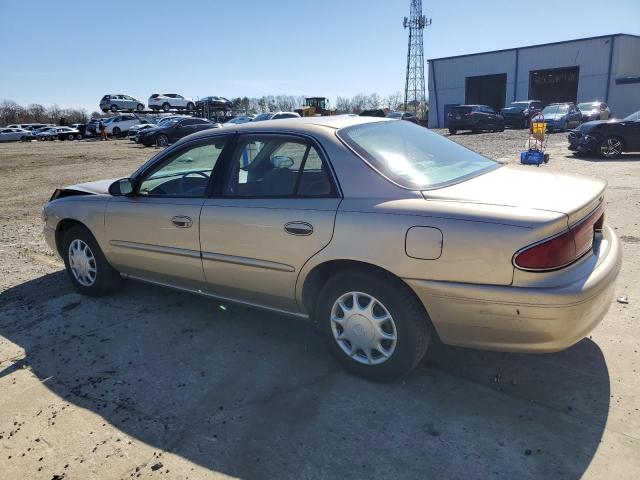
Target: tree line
[11,112]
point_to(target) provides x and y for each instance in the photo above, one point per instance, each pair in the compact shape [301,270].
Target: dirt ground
[156,383]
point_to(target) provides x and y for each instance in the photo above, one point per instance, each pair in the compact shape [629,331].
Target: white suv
[120,124]
[168,101]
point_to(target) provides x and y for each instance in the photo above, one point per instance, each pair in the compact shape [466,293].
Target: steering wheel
[193,189]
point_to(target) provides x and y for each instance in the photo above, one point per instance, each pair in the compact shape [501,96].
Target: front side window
[412,156]
[276,167]
[185,174]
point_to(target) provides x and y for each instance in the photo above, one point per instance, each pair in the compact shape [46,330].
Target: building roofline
[535,46]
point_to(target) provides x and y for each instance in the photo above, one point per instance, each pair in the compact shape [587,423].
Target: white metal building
[605,68]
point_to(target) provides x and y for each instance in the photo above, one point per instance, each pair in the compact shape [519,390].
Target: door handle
[182,221]
[298,228]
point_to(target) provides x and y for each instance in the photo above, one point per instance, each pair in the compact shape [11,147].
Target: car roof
[301,125]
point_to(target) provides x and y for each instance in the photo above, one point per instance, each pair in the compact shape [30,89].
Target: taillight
[562,249]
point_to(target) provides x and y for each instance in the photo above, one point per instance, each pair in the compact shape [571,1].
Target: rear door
[275,209]
[154,233]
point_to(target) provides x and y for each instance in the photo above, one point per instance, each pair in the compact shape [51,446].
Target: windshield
[634,117]
[518,106]
[587,106]
[413,156]
[555,109]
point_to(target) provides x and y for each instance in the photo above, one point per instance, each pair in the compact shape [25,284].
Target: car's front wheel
[114,108]
[140,107]
[191,106]
[162,140]
[166,106]
[88,269]
[375,326]
[452,131]
[611,147]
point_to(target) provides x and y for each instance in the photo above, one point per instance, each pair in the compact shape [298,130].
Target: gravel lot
[155,383]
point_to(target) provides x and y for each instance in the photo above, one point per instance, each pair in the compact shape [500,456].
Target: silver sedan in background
[382,232]
[14,134]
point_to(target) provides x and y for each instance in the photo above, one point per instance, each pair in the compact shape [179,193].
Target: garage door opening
[486,90]
[554,85]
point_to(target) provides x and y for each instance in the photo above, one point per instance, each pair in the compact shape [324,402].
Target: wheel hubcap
[82,263]
[162,141]
[363,328]
[611,147]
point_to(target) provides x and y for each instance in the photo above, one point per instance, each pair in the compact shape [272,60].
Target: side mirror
[121,187]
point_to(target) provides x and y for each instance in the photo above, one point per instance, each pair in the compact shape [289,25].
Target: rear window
[461,109]
[412,156]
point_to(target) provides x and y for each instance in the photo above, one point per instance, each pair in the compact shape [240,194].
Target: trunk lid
[518,187]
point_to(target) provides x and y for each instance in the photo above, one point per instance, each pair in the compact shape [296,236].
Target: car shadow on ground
[256,395]
[625,157]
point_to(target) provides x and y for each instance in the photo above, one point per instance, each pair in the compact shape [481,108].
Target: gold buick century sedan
[382,232]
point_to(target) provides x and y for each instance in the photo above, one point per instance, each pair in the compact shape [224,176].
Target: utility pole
[415,98]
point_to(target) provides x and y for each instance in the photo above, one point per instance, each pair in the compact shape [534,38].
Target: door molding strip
[182,252]
[249,262]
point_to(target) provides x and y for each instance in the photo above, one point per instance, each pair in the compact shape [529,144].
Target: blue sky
[71,53]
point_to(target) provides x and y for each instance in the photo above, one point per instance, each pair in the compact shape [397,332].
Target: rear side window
[412,156]
[276,167]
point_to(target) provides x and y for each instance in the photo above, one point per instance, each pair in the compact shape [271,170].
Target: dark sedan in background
[173,130]
[476,118]
[213,102]
[518,114]
[607,138]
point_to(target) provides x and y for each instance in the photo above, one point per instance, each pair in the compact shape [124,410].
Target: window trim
[286,136]
[172,153]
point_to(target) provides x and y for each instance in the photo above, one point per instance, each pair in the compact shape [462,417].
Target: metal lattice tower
[415,99]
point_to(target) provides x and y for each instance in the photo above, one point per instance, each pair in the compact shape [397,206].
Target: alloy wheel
[82,263]
[611,147]
[363,328]
[162,140]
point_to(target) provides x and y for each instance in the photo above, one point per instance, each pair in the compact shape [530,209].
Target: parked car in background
[476,118]
[170,101]
[374,112]
[408,116]
[275,116]
[121,124]
[594,111]
[215,102]
[136,129]
[608,138]
[92,126]
[239,120]
[518,114]
[69,133]
[115,102]
[561,116]
[326,218]
[35,126]
[53,133]
[173,130]
[14,134]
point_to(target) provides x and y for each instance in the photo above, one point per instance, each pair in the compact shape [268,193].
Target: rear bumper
[524,319]
[463,124]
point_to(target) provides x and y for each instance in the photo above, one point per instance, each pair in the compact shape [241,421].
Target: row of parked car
[557,116]
[38,131]
[115,102]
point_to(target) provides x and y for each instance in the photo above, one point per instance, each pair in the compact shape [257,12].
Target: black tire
[116,131]
[23,138]
[605,149]
[166,107]
[105,110]
[140,107]
[107,278]
[412,324]
[161,140]
[79,136]
[501,128]
[71,137]
[191,106]
[452,131]
[114,108]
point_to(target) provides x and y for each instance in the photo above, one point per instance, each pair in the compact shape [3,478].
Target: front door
[275,210]
[154,233]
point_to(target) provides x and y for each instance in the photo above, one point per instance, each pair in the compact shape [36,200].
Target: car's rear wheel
[23,138]
[114,108]
[116,131]
[140,107]
[166,106]
[452,131]
[70,137]
[611,147]
[88,269]
[191,106]
[162,140]
[375,326]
